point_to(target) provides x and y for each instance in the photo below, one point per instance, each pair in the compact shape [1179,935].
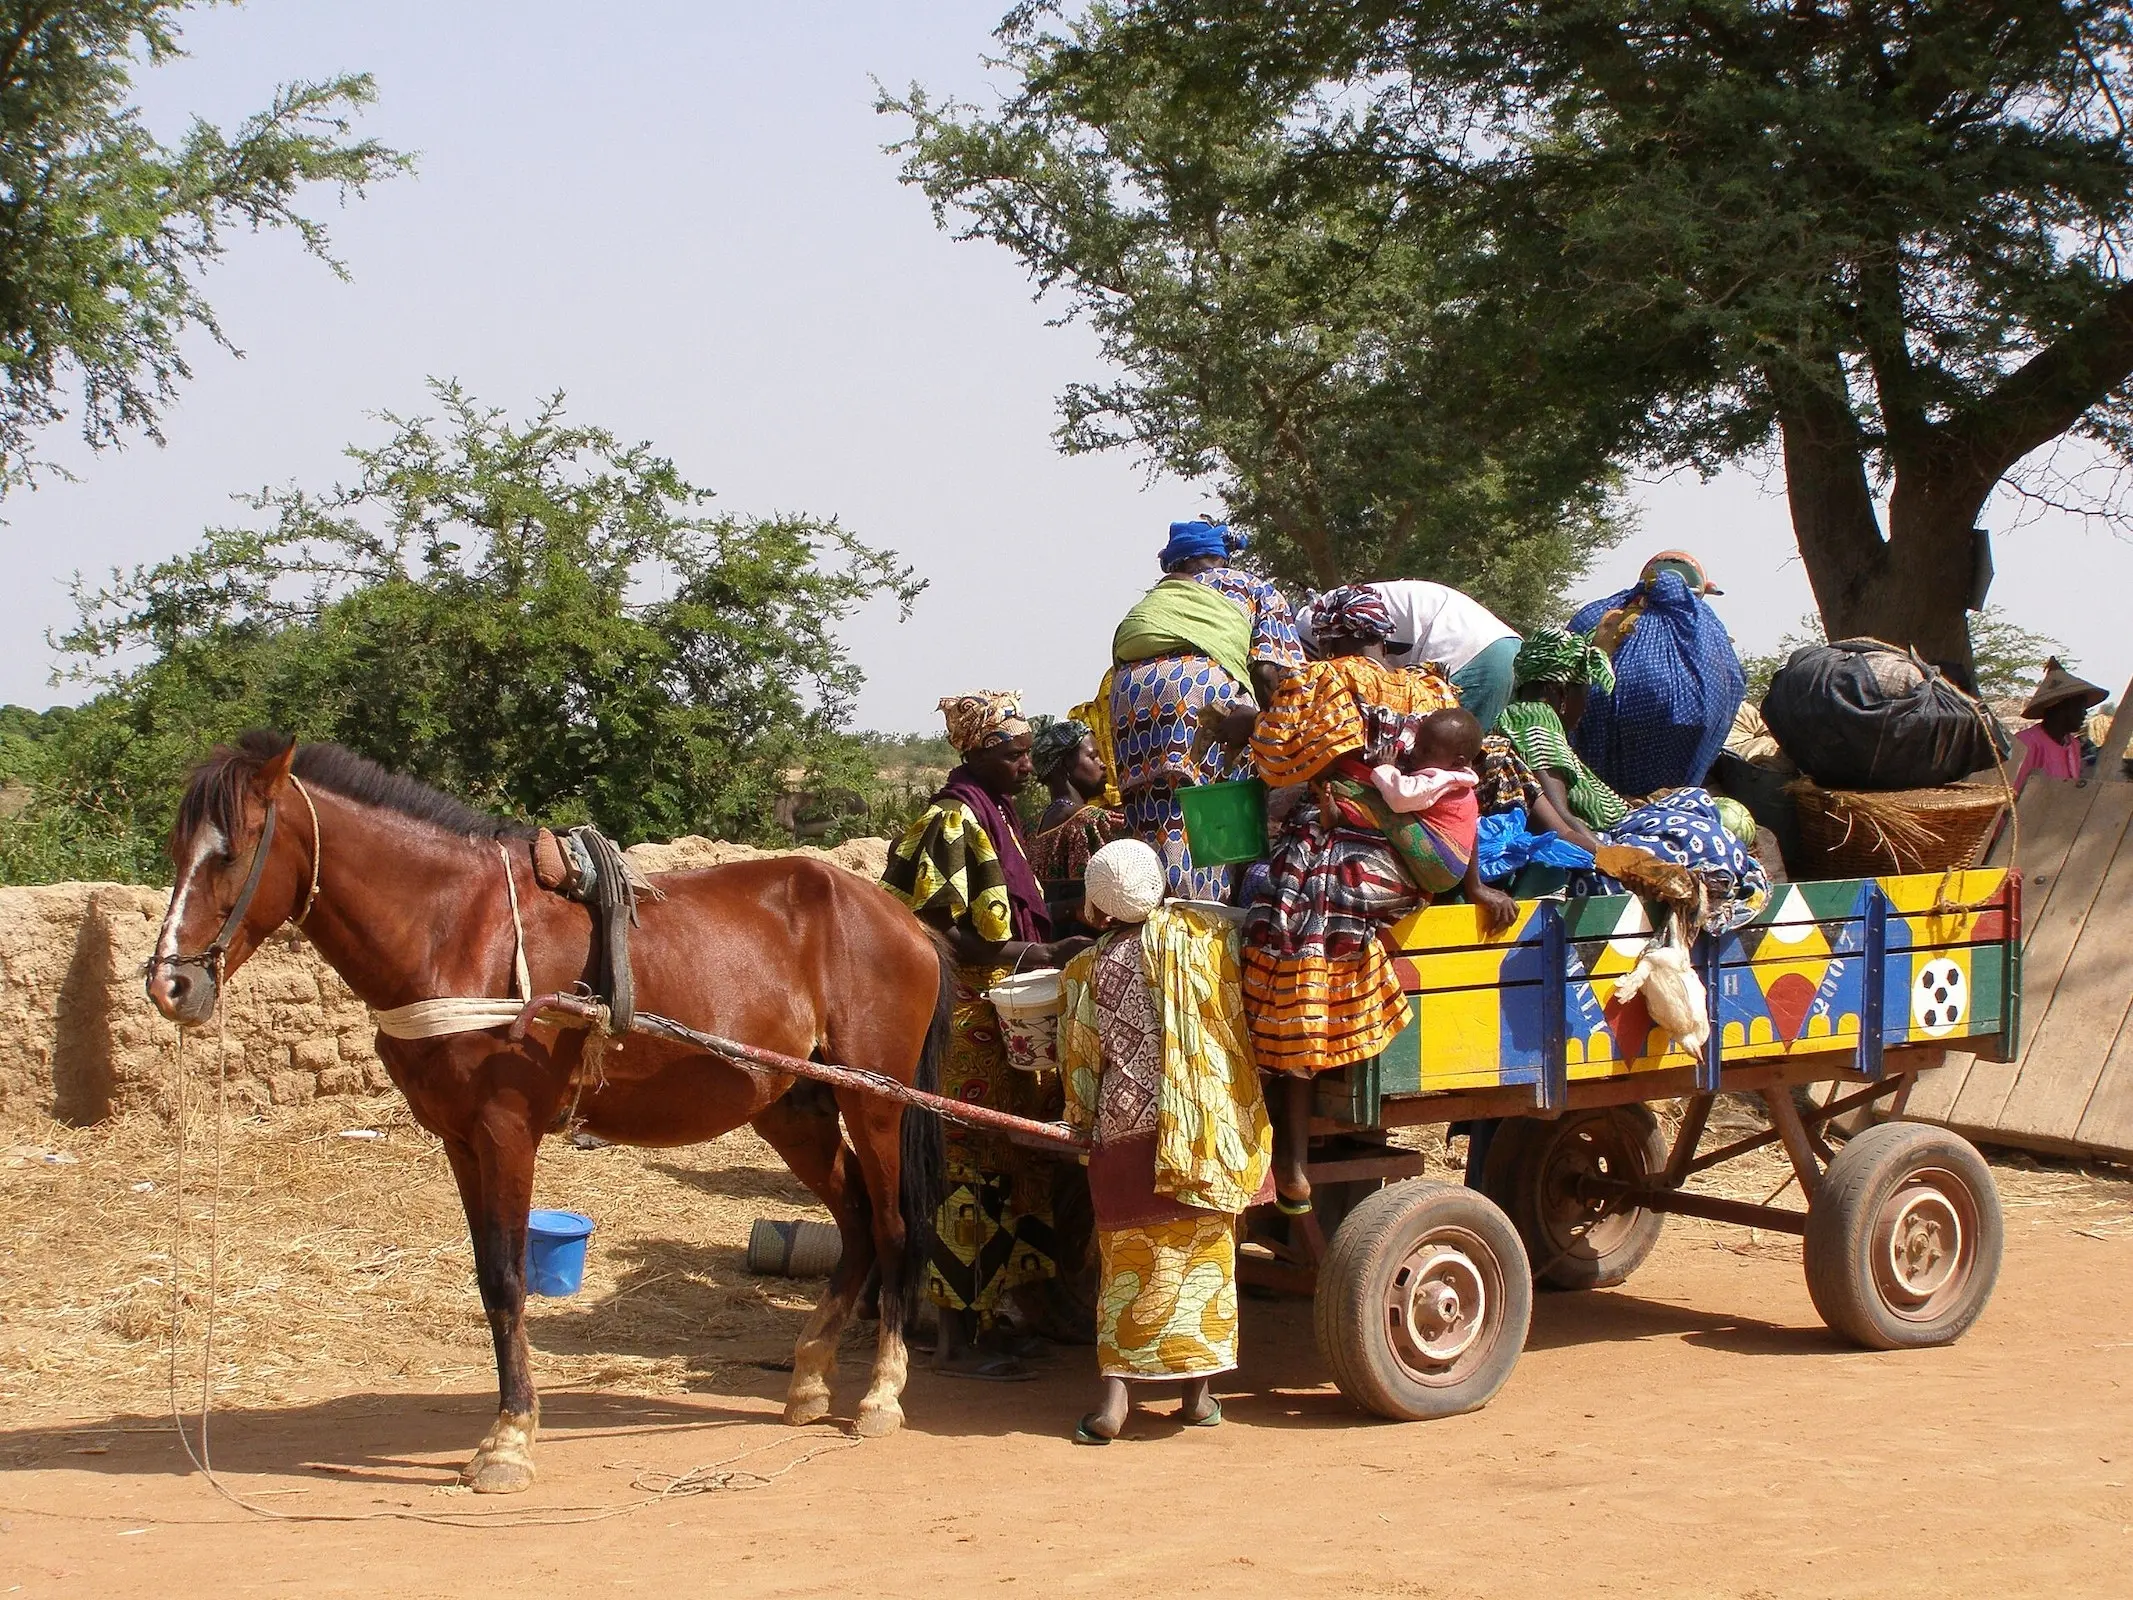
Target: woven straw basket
[1852,834]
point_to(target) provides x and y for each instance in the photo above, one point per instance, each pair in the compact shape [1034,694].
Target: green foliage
[871,784]
[1295,330]
[1436,260]
[104,232]
[2007,658]
[533,616]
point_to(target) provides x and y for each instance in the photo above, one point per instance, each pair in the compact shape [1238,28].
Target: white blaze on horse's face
[207,844]
[180,995]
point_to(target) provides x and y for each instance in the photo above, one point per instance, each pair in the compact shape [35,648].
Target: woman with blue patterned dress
[1209,638]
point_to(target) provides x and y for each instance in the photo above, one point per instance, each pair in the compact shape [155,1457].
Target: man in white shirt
[1434,623]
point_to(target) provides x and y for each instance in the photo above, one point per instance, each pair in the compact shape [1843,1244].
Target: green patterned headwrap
[1552,656]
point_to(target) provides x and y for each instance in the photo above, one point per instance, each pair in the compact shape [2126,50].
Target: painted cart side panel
[1538,1000]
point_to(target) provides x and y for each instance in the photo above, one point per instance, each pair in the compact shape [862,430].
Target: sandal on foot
[1084,1434]
[1292,1208]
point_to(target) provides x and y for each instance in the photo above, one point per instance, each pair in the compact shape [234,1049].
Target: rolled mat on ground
[1678,684]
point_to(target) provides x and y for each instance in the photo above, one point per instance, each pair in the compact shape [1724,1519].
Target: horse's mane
[214,793]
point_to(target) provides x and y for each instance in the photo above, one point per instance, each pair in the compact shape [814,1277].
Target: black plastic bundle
[1860,714]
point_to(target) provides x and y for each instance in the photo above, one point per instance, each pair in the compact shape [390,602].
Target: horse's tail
[924,1161]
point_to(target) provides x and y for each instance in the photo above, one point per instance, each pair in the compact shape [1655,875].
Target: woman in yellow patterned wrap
[1158,1068]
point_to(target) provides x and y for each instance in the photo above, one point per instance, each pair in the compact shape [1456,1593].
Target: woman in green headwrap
[1555,674]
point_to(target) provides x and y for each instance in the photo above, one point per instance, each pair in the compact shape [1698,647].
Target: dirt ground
[1693,1433]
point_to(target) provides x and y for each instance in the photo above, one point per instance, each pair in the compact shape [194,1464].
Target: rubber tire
[1334,1201]
[1841,1222]
[1506,1148]
[1358,1271]
[1512,1178]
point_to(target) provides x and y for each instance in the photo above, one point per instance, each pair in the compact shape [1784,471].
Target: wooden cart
[1423,1290]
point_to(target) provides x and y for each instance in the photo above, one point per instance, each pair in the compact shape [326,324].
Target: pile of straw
[343,1264]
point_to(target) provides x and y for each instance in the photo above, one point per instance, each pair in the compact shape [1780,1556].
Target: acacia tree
[535,616]
[1887,237]
[104,232]
[1280,325]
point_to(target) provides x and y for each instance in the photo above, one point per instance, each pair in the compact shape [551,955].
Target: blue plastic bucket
[555,1252]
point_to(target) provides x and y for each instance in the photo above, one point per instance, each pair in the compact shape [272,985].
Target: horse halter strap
[218,947]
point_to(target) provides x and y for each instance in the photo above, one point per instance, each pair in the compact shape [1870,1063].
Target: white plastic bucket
[1029,1006]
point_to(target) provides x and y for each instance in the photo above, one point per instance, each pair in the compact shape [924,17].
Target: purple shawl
[1004,828]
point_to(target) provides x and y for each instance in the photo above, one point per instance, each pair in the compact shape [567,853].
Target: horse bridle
[209,960]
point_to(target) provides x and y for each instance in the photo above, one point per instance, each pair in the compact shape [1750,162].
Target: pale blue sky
[680,214]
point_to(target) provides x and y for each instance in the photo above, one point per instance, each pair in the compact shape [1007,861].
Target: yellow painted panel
[1462,1040]
[1914,892]
[1449,927]
[1457,969]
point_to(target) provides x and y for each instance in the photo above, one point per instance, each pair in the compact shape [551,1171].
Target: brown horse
[404,892]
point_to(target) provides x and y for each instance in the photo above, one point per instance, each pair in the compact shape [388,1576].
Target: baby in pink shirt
[1439,769]
[1435,783]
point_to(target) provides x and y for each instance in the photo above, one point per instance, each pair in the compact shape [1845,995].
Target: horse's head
[243,869]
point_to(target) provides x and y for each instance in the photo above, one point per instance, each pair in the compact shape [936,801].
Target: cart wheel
[1532,1170]
[1423,1301]
[1334,1201]
[1903,1238]
[1574,1241]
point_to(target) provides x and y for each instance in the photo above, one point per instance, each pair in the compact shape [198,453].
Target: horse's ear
[273,772]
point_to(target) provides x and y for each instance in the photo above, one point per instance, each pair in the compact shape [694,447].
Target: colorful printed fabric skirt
[1168,1306]
[1155,719]
[1319,990]
[1158,821]
[993,1229]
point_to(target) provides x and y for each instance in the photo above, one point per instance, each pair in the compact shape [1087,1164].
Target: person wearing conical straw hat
[2060,705]
[1157,1061]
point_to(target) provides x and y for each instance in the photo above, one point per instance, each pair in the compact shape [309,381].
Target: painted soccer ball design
[1940,998]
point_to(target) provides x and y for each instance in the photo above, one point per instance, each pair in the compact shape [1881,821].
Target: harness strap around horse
[434,1019]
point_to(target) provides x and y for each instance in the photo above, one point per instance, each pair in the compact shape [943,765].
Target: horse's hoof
[803,1409]
[878,1422]
[487,1474]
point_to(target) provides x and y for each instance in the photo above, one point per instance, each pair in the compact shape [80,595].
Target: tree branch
[2045,396]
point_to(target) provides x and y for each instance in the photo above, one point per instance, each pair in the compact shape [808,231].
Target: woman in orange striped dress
[1319,989]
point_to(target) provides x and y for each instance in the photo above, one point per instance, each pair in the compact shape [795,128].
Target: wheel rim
[1925,1244]
[1574,1218]
[1443,1306]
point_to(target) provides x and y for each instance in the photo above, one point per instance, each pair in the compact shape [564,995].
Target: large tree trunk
[1911,588]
